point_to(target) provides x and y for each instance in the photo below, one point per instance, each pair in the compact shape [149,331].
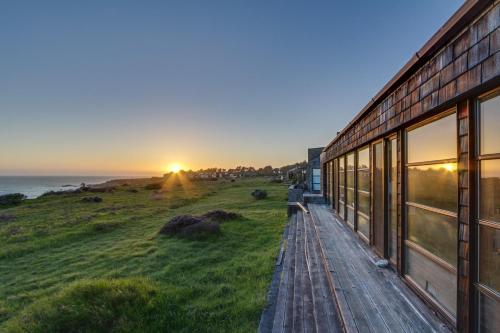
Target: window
[342,187]
[316,179]
[488,279]
[363,191]
[350,189]
[378,198]
[335,184]
[392,198]
[328,180]
[431,208]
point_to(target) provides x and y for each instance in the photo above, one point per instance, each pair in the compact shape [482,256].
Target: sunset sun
[175,167]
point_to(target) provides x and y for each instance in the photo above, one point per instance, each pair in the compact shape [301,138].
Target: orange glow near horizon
[175,167]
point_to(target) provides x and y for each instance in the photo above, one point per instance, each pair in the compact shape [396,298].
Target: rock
[176,224]
[259,194]
[382,263]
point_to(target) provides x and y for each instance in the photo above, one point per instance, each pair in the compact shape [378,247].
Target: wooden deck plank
[308,317]
[326,315]
[298,293]
[377,299]
[286,285]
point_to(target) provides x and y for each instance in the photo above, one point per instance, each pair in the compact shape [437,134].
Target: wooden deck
[304,301]
[327,281]
[370,299]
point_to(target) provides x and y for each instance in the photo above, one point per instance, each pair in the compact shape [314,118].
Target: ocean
[34,186]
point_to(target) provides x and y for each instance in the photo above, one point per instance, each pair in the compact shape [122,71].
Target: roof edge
[458,21]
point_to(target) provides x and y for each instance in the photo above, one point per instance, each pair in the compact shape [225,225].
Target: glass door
[392,198]
[378,199]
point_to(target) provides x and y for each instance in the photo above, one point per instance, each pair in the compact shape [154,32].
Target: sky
[131,87]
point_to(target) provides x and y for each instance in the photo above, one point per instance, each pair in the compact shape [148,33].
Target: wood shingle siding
[468,61]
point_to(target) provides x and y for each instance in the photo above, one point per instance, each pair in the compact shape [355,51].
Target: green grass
[53,246]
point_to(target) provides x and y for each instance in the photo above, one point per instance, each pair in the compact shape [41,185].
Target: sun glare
[175,168]
[450,166]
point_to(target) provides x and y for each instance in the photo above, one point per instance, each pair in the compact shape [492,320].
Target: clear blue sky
[129,87]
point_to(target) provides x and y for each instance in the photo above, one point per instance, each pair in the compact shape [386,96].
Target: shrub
[101,189]
[105,226]
[154,186]
[221,215]
[276,180]
[92,199]
[14,199]
[7,218]
[132,190]
[91,306]
[259,194]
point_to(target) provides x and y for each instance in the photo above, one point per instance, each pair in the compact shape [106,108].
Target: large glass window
[488,280]
[431,208]
[350,189]
[363,190]
[342,187]
[392,197]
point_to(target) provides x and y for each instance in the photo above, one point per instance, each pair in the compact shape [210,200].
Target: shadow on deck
[327,281]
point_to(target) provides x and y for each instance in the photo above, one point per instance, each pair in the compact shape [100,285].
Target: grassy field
[66,265]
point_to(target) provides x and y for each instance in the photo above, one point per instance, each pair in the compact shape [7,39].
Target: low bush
[9,200]
[276,180]
[104,226]
[221,215]
[132,190]
[91,306]
[62,192]
[7,218]
[259,194]
[92,199]
[154,186]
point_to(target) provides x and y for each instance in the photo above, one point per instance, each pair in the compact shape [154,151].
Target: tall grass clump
[113,305]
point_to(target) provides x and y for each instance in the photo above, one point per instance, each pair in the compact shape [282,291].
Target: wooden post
[464,281]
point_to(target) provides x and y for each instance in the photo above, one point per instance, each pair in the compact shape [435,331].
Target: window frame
[478,159]
[357,212]
[432,162]
[405,241]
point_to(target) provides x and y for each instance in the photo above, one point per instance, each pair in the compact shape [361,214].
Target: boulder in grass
[200,230]
[92,199]
[176,224]
[259,194]
[221,215]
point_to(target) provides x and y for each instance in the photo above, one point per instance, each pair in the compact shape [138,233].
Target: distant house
[313,170]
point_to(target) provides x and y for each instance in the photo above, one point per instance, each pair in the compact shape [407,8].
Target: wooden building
[416,174]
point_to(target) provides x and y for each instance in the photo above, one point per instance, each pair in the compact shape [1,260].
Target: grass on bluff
[68,265]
